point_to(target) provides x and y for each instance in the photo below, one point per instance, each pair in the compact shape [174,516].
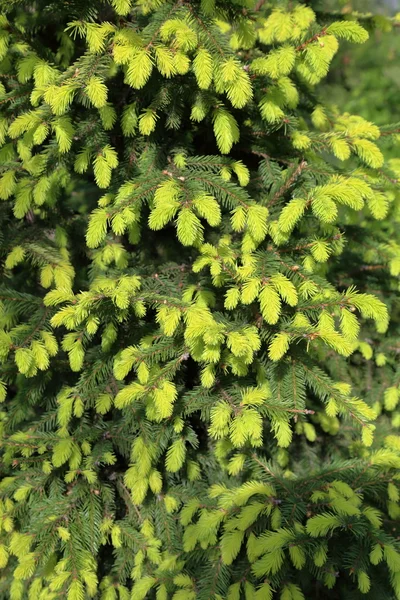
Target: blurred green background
[365,79]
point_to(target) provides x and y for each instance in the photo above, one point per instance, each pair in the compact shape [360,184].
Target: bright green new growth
[198,367]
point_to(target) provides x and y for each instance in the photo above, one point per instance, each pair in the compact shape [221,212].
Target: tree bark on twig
[259,5]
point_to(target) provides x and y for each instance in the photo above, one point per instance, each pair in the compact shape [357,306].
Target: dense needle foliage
[199,306]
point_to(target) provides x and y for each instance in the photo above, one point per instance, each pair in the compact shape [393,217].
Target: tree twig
[259,5]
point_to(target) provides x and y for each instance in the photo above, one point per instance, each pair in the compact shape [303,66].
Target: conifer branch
[312,39]
[201,260]
[288,184]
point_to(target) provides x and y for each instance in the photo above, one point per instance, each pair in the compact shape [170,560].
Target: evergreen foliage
[199,307]
[356,69]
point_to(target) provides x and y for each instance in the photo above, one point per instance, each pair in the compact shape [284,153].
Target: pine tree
[199,307]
